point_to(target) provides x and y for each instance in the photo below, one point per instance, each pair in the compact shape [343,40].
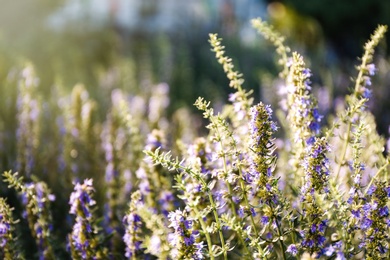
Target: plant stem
[354,109]
[209,244]
[281,242]
[376,175]
[344,150]
[217,220]
[233,208]
[279,232]
[213,206]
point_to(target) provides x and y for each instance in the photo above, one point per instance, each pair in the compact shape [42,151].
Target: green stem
[233,209]
[352,112]
[376,175]
[292,233]
[279,232]
[217,220]
[330,131]
[208,239]
[213,206]
[344,150]
[242,185]
[248,205]
[361,73]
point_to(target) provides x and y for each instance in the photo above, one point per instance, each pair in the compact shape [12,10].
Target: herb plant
[299,185]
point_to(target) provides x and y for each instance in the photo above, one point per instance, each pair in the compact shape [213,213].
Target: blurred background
[107,44]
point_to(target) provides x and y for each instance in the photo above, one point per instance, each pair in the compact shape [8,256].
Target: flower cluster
[303,114]
[262,160]
[7,237]
[336,250]
[80,138]
[116,144]
[261,129]
[36,198]
[29,110]
[315,182]
[316,167]
[371,216]
[356,101]
[132,222]
[83,241]
[367,69]
[183,240]
[240,99]
[154,183]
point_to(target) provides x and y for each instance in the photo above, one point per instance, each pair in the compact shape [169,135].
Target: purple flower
[184,237]
[83,237]
[355,213]
[165,201]
[316,166]
[144,187]
[306,73]
[81,200]
[329,250]
[177,220]
[253,212]
[310,140]
[315,127]
[371,69]
[264,220]
[382,249]
[132,222]
[366,208]
[387,189]
[303,115]
[9,249]
[261,161]
[366,223]
[340,256]
[371,190]
[313,228]
[308,243]
[236,199]
[79,241]
[193,188]
[367,82]
[321,241]
[5,229]
[292,249]
[36,198]
[241,211]
[189,240]
[384,211]
[155,140]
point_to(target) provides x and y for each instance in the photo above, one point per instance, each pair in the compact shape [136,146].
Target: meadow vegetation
[257,182]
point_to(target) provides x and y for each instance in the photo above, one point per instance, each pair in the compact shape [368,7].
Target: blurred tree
[346,24]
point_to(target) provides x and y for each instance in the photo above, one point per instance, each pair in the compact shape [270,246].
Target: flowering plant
[254,187]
